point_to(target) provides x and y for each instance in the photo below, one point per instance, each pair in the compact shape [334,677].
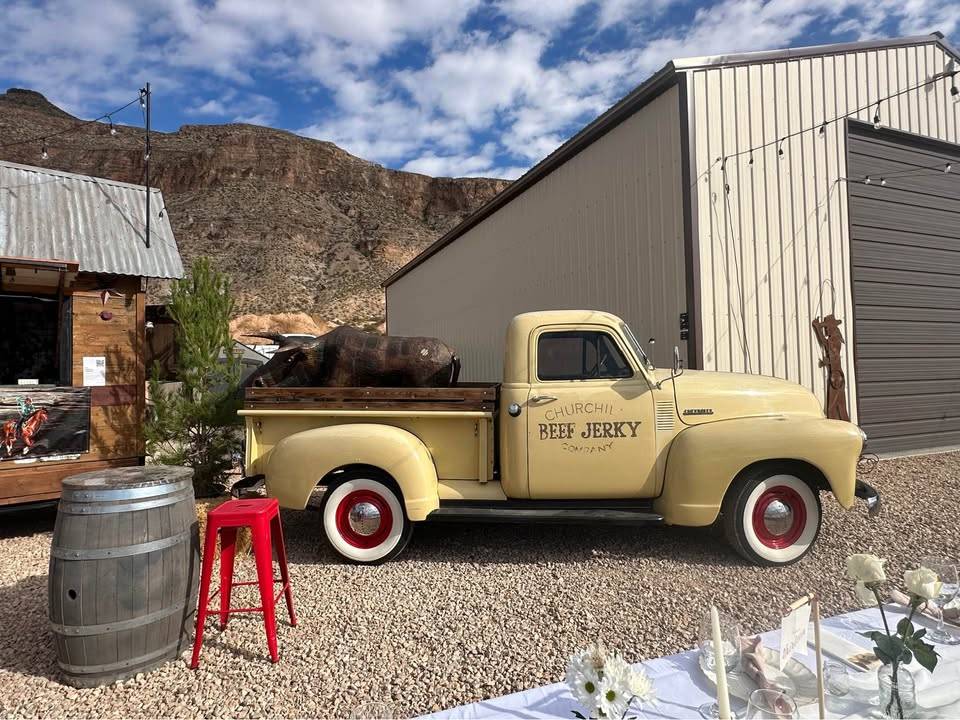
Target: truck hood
[709,396]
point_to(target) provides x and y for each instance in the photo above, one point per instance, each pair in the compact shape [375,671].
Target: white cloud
[428,85]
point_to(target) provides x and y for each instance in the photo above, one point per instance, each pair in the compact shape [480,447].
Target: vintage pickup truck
[582,429]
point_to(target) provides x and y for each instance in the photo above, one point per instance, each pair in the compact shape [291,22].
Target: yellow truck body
[582,426]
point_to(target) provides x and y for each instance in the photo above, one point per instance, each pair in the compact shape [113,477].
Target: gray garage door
[906,283]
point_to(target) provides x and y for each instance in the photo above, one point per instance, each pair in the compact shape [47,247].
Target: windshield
[634,345]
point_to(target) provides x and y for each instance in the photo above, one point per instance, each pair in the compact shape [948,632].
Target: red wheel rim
[779,539]
[346,530]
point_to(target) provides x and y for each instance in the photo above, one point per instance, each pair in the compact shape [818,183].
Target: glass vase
[898,697]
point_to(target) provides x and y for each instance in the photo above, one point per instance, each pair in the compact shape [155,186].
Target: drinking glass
[730,634]
[771,705]
[946,570]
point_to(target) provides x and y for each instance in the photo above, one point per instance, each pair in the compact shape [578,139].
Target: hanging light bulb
[780,149]
[954,90]
[823,129]
[143,98]
[43,151]
[948,168]
[750,160]
[113,130]
[867,180]
[883,181]
[876,117]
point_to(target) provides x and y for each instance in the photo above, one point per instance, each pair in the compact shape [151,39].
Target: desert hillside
[300,225]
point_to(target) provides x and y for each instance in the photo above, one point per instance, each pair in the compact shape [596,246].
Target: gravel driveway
[468,611]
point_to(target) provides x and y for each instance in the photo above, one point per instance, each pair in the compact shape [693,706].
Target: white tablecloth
[681,687]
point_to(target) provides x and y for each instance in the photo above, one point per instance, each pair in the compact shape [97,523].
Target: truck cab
[582,428]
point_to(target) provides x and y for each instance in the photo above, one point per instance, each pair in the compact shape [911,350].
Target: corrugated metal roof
[99,223]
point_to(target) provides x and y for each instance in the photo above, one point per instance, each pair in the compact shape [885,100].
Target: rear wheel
[364,520]
[771,516]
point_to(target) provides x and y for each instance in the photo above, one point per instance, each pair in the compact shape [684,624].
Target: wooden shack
[74,259]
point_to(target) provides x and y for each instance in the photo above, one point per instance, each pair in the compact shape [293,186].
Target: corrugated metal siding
[603,231]
[775,249]
[906,272]
[99,223]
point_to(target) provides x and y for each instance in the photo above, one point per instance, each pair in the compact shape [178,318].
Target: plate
[795,675]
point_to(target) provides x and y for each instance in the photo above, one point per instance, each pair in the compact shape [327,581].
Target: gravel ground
[467,612]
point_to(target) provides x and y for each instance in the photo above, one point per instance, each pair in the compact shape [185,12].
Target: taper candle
[723,696]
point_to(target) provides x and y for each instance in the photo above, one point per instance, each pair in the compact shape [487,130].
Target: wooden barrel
[124,568]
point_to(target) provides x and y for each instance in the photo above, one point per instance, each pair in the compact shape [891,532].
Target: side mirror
[676,359]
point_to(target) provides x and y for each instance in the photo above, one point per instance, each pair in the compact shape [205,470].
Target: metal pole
[146,157]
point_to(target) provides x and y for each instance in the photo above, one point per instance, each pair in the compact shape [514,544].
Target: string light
[43,150]
[823,128]
[883,181]
[143,98]
[750,160]
[113,130]
[72,128]
[867,180]
[876,117]
[780,148]
[948,168]
[954,90]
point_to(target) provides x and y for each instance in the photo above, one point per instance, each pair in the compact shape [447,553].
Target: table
[681,687]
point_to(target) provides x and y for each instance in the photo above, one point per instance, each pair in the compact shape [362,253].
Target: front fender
[704,460]
[300,461]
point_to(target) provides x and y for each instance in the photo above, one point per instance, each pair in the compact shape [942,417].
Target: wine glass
[946,570]
[767,704]
[730,635]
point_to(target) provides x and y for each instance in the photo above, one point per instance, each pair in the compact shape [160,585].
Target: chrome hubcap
[778,517]
[364,519]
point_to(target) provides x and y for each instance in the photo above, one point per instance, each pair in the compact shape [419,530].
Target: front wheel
[364,520]
[771,516]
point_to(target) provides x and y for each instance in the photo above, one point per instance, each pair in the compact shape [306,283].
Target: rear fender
[300,461]
[705,459]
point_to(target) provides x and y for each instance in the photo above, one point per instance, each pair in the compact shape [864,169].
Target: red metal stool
[262,516]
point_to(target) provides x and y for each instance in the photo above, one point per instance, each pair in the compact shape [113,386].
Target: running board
[492,513]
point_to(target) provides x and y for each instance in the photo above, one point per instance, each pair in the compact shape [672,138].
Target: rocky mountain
[300,225]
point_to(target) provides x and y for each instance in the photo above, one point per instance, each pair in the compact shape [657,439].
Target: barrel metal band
[77,630]
[81,670]
[78,494]
[119,552]
[94,509]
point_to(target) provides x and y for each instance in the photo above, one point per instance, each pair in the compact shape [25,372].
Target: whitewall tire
[771,516]
[364,520]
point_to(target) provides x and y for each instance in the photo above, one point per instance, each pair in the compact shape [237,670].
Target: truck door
[590,417]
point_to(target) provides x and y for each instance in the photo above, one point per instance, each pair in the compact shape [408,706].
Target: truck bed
[474,397]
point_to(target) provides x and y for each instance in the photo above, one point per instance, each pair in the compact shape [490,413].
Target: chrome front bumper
[868,493]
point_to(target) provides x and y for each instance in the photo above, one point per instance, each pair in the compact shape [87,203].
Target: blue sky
[444,87]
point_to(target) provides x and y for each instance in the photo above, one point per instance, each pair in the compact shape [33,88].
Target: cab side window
[580,355]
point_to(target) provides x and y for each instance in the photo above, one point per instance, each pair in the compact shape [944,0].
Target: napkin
[753,664]
[951,615]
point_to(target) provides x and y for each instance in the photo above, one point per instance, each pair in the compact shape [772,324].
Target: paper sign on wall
[95,371]
[793,634]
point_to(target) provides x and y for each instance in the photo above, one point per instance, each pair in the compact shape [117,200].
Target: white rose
[923,582]
[864,595]
[866,568]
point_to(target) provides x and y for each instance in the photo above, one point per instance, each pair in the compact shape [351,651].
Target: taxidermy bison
[348,357]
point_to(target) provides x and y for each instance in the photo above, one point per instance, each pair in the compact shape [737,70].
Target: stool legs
[209,549]
[276,532]
[228,548]
[263,554]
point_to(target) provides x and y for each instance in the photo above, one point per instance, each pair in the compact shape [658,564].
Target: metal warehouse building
[754,192]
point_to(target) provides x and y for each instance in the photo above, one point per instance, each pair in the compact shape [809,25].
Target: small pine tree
[197,424]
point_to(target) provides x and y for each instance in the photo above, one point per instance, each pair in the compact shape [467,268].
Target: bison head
[292,365]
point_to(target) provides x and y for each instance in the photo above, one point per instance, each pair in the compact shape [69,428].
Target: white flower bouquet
[605,685]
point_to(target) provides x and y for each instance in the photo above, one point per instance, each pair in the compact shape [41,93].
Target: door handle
[542,398]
